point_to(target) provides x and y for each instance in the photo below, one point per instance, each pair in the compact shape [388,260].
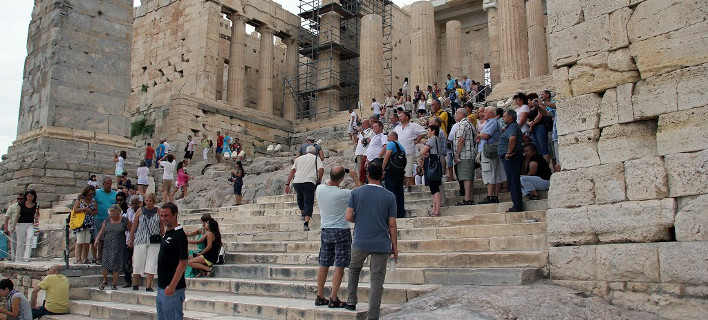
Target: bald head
[336,175]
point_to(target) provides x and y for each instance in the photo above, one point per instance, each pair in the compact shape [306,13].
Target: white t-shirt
[523,109]
[305,170]
[377,107]
[407,135]
[333,205]
[168,148]
[352,119]
[120,165]
[143,173]
[360,149]
[190,145]
[375,145]
[169,167]
[421,105]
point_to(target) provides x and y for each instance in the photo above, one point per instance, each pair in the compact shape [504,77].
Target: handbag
[76,219]
[155,239]
[433,172]
[490,150]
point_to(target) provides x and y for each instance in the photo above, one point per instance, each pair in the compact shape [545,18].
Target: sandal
[434,214]
[102,286]
[319,301]
[208,273]
[336,304]
[532,197]
[465,203]
[114,287]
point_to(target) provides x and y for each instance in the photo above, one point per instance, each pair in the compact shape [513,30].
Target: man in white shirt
[168,148]
[305,175]
[361,142]
[377,143]
[409,134]
[168,163]
[377,108]
[351,128]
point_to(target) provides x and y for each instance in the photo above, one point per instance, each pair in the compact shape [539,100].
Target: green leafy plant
[141,127]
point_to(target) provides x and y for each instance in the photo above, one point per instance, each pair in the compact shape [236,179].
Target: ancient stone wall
[475,53]
[401,36]
[628,215]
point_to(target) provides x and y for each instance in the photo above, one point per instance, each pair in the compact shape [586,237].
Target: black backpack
[211,143]
[397,162]
[450,122]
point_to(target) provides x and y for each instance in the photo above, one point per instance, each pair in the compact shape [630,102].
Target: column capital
[238,16]
[265,29]
[489,4]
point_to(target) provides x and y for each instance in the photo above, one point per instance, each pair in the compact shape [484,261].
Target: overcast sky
[14,20]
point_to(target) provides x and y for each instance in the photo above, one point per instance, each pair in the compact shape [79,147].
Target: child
[92,181]
[113,235]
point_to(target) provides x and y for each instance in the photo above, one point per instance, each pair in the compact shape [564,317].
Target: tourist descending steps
[509,150]
[431,160]
[372,209]
[145,240]
[219,146]
[205,259]
[105,198]
[409,134]
[335,237]
[171,263]
[113,234]
[237,180]
[84,203]
[306,174]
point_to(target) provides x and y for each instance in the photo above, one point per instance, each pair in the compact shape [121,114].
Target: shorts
[410,159]
[83,236]
[219,150]
[492,170]
[145,259]
[119,173]
[465,170]
[188,154]
[434,187]
[167,185]
[377,116]
[335,247]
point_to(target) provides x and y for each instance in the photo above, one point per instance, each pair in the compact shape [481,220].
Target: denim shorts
[335,247]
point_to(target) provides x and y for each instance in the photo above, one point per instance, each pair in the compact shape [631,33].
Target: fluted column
[237,61]
[538,50]
[291,58]
[424,68]
[371,62]
[265,70]
[453,39]
[493,26]
[513,40]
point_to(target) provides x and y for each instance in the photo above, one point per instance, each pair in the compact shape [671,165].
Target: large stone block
[576,263]
[579,149]
[627,262]
[625,111]
[646,179]
[682,131]
[693,88]
[569,227]
[608,109]
[609,183]
[578,113]
[684,262]
[656,95]
[692,221]
[596,8]
[602,71]
[581,40]
[629,141]
[618,28]
[633,221]
[673,15]
[562,82]
[671,51]
[563,14]
[572,188]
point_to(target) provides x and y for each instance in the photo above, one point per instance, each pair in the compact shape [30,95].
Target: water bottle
[391,262]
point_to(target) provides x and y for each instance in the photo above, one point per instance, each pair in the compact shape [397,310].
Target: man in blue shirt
[450,84]
[372,209]
[160,152]
[105,197]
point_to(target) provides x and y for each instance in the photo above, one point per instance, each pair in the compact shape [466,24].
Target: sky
[14,20]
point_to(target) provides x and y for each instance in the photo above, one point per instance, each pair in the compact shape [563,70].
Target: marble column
[328,65]
[291,59]
[371,75]
[538,50]
[453,39]
[424,68]
[493,26]
[513,40]
[237,62]
[265,70]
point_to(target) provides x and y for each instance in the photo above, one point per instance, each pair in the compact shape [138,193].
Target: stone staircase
[271,264]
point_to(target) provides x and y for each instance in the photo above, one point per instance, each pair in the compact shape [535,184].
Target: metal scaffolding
[328,66]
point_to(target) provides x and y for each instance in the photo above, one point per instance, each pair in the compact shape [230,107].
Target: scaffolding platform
[314,14]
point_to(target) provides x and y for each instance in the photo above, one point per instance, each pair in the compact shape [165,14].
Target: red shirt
[220,141]
[149,153]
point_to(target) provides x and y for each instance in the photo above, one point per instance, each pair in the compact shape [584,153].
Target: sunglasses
[119,199]
[20,198]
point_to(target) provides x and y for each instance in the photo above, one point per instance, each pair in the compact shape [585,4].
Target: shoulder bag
[433,172]
[76,219]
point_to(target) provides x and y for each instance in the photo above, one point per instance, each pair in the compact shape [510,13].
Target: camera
[346,170]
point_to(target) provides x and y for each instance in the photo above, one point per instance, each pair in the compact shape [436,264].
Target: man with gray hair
[492,171]
[465,153]
[306,174]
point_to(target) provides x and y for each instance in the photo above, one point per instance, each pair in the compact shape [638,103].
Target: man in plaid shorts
[336,239]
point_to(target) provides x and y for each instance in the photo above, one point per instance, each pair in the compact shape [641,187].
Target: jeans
[24,233]
[395,185]
[377,266]
[513,177]
[41,312]
[539,136]
[148,163]
[533,183]
[169,308]
[305,197]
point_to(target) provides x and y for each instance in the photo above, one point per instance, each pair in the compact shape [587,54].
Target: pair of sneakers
[320,301]
[489,199]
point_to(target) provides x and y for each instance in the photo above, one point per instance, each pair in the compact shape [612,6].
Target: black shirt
[173,248]
[27,214]
[542,170]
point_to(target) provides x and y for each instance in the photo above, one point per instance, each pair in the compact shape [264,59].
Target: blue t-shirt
[103,202]
[450,84]
[160,151]
[373,206]
[492,128]
[391,145]
[333,205]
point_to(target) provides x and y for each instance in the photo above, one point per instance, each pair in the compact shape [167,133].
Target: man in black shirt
[171,263]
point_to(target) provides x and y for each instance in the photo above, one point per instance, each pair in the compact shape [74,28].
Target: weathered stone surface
[682,131]
[692,221]
[688,173]
[581,40]
[579,149]
[578,113]
[602,71]
[671,51]
[684,262]
[608,109]
[693,88]
[571,189]
[609,183]
[655,17]
[562,81]
[625,111]
[618,28]
[627,262]
[665,305]
[577,263]
[633,221]
[569,227]
[656,95]
[563,14]
[593,9]
[629,141]
[646,179]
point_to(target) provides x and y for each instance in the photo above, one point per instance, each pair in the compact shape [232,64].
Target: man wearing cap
[310,141]
[305,175]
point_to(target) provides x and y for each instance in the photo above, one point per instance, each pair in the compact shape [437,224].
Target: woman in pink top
[182,180]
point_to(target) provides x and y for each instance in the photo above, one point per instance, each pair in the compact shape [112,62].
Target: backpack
[450,122]
[397,162]
[211,143]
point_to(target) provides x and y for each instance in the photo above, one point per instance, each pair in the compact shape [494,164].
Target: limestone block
[577,263]
[572,188]
[688,173]
[579,149]
[618,28]
[621,60]
[578,113]
[562,81]
[682,131]
[673,15]
[569,227]
[646,179]
[627,262]
[656,95]
[625,110]
[692,221]
[684,262]
[609,183]
[671,51]
[608,109]
[629,141]
[595,8]
[595,74]
[633,221]
[563,14]
[693,88]
[579,41]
